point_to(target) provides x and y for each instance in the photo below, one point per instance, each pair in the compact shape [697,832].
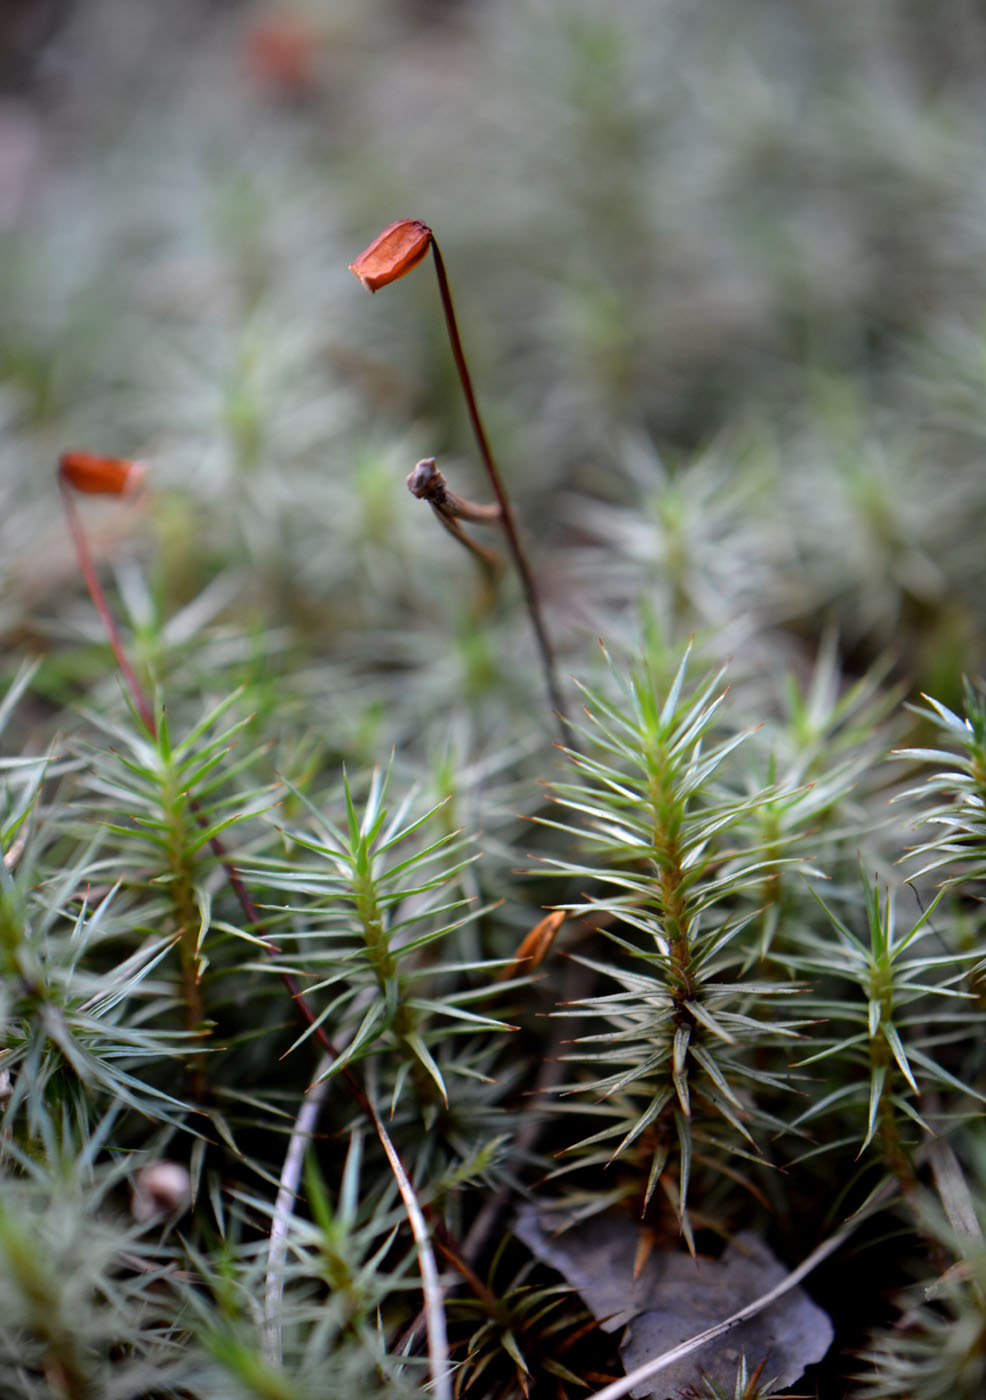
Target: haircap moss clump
[355,905]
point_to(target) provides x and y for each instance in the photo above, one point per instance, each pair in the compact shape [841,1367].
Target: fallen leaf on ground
[675,1296]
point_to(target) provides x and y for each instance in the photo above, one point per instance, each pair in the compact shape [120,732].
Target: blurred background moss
[721,271]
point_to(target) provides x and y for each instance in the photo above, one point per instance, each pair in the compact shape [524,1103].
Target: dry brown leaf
[675,1296]
[535,946]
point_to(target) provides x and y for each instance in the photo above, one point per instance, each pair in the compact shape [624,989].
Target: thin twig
[551,1070]
[438,1357]
[287,1191]
[301,1135]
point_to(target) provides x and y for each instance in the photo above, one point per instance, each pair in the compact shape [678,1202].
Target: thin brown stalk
[507,520]
[98,597]
[490,561]
[437,1348]
[192,994]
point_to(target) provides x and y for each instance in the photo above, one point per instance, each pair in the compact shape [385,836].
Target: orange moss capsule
[536,946]
[392,254]
[281,51]
[101,476]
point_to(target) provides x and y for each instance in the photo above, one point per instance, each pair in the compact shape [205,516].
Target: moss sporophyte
[391,255]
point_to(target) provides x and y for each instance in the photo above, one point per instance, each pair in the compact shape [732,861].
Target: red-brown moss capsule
[101,476]
[536,946]
[281,51]
[392,254]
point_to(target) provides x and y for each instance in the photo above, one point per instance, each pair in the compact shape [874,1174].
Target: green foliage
[381,897]
[679,1037]
[725,281]
[937,1347]
[171,898]
[748,1386]
[907,1008]
[68,1329]
[959,844]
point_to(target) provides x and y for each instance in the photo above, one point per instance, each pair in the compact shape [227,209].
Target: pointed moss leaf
[674,694]
[658,1162]
[702,1056]
[704,1018]
[656,1106]
[900,1054]
[942,1075]
[510,1346]
[877,1081]
[203,901]
[685,1150]
[423,1055]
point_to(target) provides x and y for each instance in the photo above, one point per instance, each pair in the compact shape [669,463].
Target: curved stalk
[506,514]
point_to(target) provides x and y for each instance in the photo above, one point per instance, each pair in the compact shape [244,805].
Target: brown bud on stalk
[392,254]
[101,476]
[281,51]
[395,252]
[427,483]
